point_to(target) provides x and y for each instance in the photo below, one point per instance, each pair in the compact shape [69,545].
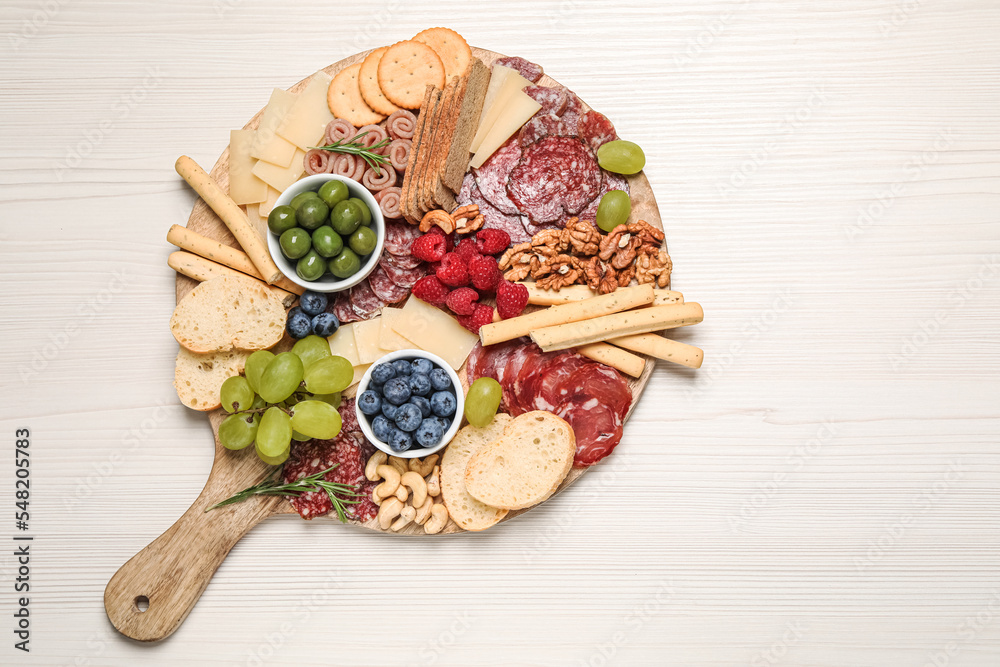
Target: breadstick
[570,293]
[231,214]
[626,362]
[202,269]
[662,348]
[605,304]
[599,329]
[185,239]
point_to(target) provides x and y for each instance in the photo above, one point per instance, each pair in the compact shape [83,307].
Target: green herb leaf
[353,147]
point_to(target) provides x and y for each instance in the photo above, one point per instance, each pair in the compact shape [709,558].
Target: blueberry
[299,325]
[429,433]
[313,303]
[382,428]
[443,403]
[399,441]
[402,367]
[325,324]
[420,384]
[383,373]
[408,418]
[423,404]
[422,366]
[397,391]
[369,403]
[445,424]
[440,380]
[389,410]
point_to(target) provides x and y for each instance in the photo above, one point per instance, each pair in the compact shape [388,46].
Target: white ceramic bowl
[416,452]
[329,282]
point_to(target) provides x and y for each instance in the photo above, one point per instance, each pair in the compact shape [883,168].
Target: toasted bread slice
[228,313]
[526,465]
[467,512]
[199,377]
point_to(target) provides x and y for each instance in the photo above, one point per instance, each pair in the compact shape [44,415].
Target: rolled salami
[374,134]
[401,124]
[317,161]
[349,166]
[388,201]
[399,153]
[338,130]
[384,178]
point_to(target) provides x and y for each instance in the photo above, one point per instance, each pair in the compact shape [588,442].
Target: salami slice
[595,129]
[555,176]
[313,456]
[598,429]
[404,278]
[348,417]
[399,237]
[574,107]
[541,126]
[364,300]
[525,68]
[496,219]
[553,100]
[342,308]
[399,261]
[384,288]
[492,176]
[611,182]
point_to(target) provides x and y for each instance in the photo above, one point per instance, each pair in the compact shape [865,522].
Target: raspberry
[430,289]
[511,299]
[482,315]
[449,243]
[466,249]
[462,301]
[484,273]
[429,247]
[492,241]
[452,271]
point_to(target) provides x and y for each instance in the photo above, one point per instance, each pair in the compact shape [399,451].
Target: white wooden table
[824,492]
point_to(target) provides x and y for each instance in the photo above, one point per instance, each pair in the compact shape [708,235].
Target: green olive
[621,157]
[614,209]
[327,242]
[366,213]
[281,219]
[345,264]
[295,242]
[333,192]
[363,241]
[311,267]
[312,213]
[301,197]
[345,217]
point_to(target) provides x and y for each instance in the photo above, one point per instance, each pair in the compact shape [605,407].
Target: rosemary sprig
[312,483]
[367,153]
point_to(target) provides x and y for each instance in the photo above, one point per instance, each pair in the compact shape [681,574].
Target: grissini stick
[600,329]
[662,348]
[626,362]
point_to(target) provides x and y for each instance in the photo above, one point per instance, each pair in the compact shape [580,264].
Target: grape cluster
[284,397]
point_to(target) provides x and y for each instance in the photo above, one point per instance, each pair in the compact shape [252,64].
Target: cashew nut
[405,517]
[398,463]
[389,486]
[434,482]
[424,511]
[402,493]
[377,459]
[439,517]
[388,511]
[416,482]
[424,466]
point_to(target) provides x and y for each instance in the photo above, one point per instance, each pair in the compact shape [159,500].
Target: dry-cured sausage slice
[525,68]
[555,176]
[342,308]
[541,126]
[595,129]
[364,300]
[313,456]
[399,237]
[405,278]
[553,100]
[492,176]
[492,217]
[384,288]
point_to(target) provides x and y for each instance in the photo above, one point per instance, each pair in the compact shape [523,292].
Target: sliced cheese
[498,77]
[366,337]
[359,372]
[342,345]
[280,178]
[517,112]
[244,187]
[268,146]
[388,339]
[306,121]
[256,221]
[435,331]
[264,208]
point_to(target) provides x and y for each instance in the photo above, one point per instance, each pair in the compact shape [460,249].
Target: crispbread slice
[457,162]
[526,465]
[443,127]
[199,377]
[421,142]
[226,313]
[437,193]
[466,511]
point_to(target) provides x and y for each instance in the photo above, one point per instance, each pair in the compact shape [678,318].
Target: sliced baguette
[467,512]
[199,377]
[226,313]
[526,465]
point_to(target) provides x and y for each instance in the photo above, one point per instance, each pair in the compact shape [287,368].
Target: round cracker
[345,101]
[405,71]
[368,83]
[451,47]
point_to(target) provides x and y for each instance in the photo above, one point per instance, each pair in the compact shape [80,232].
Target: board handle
[151,595]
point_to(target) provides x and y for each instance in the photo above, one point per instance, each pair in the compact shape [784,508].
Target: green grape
[238,431]
[316,419]
[333,399]
[258,403]
[274,434]
[281,377]
[614,209]
[311,348]
[482,402]
[328,375]
[274,460]
[254,367]
[298,437]
[621,157]
[236,394]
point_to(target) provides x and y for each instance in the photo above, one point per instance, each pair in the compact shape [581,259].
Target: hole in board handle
[141,603]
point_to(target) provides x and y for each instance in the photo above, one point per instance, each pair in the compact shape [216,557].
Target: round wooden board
[237,470]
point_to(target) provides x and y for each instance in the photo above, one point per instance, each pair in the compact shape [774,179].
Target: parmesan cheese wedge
[599,329]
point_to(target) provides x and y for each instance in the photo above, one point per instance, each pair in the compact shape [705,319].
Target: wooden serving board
[171,573]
